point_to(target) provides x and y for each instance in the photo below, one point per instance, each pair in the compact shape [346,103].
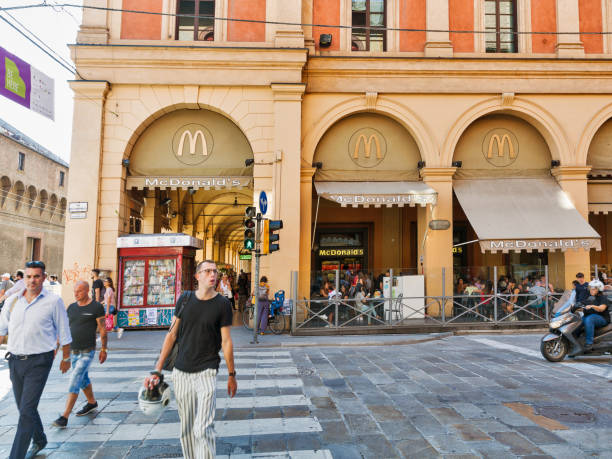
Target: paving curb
[286,345]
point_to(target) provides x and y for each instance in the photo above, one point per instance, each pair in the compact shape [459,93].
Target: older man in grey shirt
[36,321]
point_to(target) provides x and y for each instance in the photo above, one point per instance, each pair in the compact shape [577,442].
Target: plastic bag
[109,322]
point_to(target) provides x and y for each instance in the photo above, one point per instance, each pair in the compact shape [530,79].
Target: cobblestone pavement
[463,396]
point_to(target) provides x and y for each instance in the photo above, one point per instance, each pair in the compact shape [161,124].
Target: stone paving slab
[448,397]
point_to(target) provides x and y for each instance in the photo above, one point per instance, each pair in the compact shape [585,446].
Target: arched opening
[17,194]
[43,198]
[599,158]
[52,205]
[32,193]
[62,209]
[5,184]
[511,220]
[366,187]
[190,178]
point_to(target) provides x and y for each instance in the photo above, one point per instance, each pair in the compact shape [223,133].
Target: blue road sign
[263,202]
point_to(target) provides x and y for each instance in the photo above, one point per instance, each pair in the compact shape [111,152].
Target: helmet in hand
[152,402]
[596,283]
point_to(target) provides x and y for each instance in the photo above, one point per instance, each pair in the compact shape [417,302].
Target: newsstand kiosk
[153,271]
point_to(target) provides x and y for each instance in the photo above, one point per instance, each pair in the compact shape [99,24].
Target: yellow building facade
[358,151]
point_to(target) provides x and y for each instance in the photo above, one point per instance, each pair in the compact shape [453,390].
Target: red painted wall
[247,31]
[326,12]
[461,17]
[412,16]
[137,26]
[591,21]
[543,19]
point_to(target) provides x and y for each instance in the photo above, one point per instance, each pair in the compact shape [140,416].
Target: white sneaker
[119,333]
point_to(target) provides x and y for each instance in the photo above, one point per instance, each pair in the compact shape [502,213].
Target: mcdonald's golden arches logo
[500,147]
[367,147]
[192,144]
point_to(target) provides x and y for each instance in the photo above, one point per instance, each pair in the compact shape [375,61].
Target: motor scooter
[564,338]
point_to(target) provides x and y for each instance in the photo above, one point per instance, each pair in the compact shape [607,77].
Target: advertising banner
[24,84]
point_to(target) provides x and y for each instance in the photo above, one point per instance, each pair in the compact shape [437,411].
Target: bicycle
[277,321]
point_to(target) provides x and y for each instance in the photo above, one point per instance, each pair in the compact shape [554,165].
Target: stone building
[34,185]
[387,110]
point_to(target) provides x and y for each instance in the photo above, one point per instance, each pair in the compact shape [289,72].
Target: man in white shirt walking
[36,321]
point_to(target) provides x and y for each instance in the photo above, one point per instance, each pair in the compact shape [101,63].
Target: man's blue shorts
[79,378]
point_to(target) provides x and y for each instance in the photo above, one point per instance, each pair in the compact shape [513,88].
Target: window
[62,175]
[21,163]
[500,26]
[368,23]
[32,248]
[198,22]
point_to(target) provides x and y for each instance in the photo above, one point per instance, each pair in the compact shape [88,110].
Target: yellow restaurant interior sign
[358,252]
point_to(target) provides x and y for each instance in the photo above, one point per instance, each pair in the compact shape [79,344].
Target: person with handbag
[85,317]
[110,305]
[202,324]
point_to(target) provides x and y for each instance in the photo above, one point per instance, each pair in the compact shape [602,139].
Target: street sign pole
[256,282]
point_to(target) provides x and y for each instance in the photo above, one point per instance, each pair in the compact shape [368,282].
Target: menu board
[133,283]
[162,276]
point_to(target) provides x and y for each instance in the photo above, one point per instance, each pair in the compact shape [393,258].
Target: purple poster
[26,85]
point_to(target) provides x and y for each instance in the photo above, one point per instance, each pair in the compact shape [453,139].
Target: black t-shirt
[598,300]
[97,284]
[83,325]
[582,292]
[200,332]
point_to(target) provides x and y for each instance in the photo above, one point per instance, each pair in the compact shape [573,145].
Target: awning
[377,194]
[524,214]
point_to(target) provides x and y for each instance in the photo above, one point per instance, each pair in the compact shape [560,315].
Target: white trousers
[195,398]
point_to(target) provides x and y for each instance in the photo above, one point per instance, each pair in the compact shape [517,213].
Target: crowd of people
[363,290]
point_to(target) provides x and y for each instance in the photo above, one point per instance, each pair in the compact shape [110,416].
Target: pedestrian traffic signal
[269,239]
[249,228]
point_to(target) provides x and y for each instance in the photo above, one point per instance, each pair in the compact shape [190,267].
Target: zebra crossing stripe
[237,362]
[262,402]
[301,454]
[99,372]
[226,429]
[248,384]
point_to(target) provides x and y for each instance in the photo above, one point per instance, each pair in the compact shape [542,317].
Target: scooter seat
[602,330]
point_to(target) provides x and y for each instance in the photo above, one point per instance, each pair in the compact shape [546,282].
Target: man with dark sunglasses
[36,321]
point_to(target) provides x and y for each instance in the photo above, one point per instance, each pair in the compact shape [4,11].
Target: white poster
[152,316]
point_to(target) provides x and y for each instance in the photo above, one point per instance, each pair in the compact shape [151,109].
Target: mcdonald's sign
[193,141]
[500,147]
[192,144]
[367,147]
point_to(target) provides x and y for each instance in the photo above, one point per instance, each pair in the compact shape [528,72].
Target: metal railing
[493,308]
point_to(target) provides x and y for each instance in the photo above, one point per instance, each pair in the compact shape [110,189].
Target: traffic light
[269,239]
[249,228]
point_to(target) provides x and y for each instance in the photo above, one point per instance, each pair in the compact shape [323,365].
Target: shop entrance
[190,176]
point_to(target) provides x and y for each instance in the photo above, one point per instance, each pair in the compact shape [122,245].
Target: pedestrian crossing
[270,403]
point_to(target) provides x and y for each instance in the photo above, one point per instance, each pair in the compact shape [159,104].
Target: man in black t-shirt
[97,288]
[204,319]
[85,317]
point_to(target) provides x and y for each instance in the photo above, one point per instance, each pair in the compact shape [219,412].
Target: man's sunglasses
[35,264]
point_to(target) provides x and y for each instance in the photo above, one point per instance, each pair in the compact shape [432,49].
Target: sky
[57,29]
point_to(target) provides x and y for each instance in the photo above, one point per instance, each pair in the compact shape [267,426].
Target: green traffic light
[249,244]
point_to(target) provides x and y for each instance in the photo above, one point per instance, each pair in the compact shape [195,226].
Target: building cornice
[189,65]
[437,174]
[564,173]
[452,75]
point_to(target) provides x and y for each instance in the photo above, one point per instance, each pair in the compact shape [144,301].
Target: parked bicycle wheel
[277,323]
[247,317]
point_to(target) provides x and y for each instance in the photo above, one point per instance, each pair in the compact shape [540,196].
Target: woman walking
[263,290]
[110,305]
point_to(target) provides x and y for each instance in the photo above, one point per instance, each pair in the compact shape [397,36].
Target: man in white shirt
[35,321]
